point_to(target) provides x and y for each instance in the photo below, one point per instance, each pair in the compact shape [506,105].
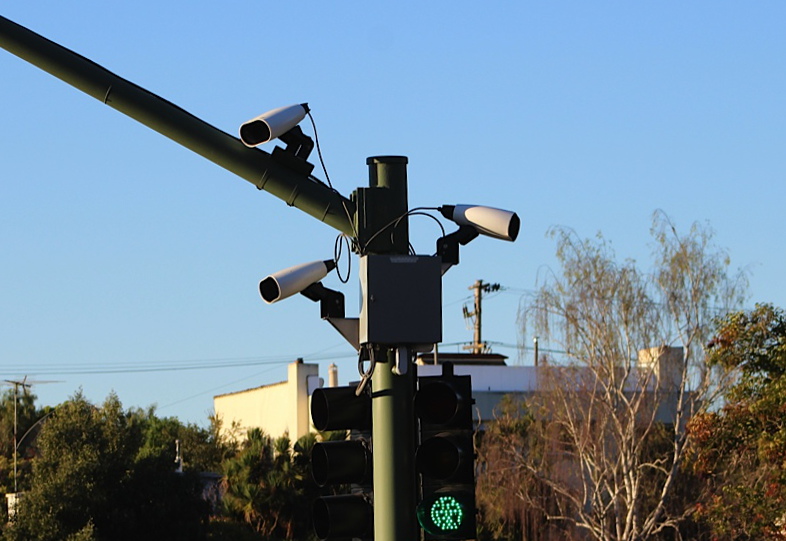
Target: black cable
[337,253]
[417,211]
[319,149]
[327,176]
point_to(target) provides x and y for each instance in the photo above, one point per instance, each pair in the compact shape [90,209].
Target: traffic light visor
[339,408]
[343,517]
[437,402]
[340,462]
[439,458]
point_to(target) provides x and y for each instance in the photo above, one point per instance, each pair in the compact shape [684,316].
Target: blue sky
[124,251]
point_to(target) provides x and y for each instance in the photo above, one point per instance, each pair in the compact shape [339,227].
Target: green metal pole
[254,165]
[392,394]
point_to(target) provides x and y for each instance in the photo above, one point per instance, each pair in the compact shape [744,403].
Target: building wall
[277,408]
[285,407]
[666,363]
[491,382]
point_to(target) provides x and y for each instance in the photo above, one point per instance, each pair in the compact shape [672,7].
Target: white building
[285,407]
[276,408]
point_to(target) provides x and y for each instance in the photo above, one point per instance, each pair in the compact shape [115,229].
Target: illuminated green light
[447,513]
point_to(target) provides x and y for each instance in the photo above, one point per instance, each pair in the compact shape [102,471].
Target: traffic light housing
[445,457]
[344,462]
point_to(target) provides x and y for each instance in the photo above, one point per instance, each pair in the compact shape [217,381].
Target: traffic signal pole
[376,217]
[394,470]
[392,394]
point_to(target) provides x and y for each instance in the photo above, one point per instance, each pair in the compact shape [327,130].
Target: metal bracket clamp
[401,366]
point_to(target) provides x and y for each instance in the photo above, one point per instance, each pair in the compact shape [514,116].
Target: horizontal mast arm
[251,164]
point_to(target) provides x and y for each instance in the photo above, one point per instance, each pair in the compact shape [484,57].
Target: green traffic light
[447,513]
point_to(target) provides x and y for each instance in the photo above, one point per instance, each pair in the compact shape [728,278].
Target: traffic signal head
[343,516]
[445,456]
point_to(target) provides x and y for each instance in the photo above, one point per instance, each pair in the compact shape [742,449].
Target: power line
[214,389]
[167,366]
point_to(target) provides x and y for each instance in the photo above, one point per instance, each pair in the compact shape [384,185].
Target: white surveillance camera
[272,124]
[287,282]
[497,223]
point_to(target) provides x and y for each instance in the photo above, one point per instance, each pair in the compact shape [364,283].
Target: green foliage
[740,450]
[269,486]
[202,449]
[754,342]
[102,473]
[91,481]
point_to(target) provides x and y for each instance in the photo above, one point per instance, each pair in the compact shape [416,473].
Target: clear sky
[124,255]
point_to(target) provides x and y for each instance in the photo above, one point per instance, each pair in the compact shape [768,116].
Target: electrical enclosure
[401,299]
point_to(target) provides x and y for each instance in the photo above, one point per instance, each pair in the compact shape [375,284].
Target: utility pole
[478,347]
[25,384]
[16,385]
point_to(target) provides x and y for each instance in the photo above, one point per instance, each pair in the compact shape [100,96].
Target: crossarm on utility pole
[253,165]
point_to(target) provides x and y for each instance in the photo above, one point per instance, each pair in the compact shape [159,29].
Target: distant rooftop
[476,359]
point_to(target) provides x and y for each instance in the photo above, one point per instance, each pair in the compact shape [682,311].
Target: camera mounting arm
[448,246]
[331,302]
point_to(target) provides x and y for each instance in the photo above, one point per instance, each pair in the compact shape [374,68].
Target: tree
[740,450]
[201,449]
[511,499]
[633,371]
[90,481]
[269,486]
